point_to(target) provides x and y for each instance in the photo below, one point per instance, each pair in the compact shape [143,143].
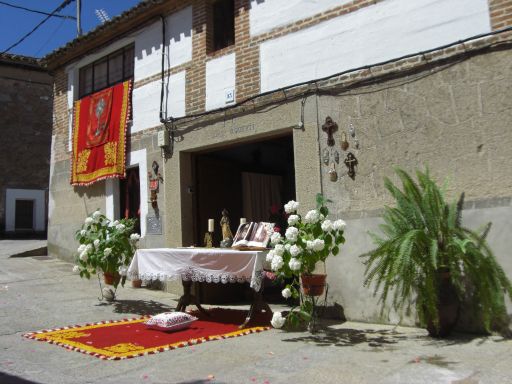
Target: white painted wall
[146,102]
[112,190]
[37,195]
[148,44]
[269,14]
[370,35]
[220,77]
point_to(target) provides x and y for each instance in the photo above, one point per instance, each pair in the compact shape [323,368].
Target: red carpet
[122,339]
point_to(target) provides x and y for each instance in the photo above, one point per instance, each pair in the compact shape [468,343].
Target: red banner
[99,135]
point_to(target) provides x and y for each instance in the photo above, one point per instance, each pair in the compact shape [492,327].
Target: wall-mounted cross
[329,127]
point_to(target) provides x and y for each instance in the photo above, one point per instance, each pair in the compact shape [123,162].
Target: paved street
[39,292]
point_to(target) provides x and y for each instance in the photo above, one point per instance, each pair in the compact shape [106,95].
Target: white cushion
[170,321]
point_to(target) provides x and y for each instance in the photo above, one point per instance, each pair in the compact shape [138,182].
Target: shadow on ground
[347,337]
[8,379]
[140,307]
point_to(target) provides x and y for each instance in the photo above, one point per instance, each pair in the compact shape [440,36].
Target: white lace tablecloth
[210,265]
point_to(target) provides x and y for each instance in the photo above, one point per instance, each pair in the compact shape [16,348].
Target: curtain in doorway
[260,192]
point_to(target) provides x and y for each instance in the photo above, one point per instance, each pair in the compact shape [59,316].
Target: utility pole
[78,17]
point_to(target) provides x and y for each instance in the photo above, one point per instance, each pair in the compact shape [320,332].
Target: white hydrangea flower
[291,234]
[318,245]
[88,248]
[83,232]
[287,246]
[312,216]
[83,256]
[287,293]
[277,320]
[294,264]
[293,219]
[123,270]
[107,251]
[115,223]
[275,238]
[270,256]
[277,263]
[76,269]
[81,248]
[120,227]
[322,217]
[279,249]
[291,206]
[339,225]
[89,220]
[295,250]
[96,243]
[327,226]
[134,237]
[96,215]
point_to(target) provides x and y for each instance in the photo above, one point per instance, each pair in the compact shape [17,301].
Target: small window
[107,71]
[223,13]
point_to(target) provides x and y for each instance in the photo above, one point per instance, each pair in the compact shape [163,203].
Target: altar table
[211,265]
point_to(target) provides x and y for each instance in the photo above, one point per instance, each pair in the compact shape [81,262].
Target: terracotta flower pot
[136,283]
[313,285]
[111,279]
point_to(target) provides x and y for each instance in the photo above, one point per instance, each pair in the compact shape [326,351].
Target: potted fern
[426,258]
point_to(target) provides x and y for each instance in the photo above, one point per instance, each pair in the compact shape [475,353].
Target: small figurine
[325,156]
[227,235]
[351,163]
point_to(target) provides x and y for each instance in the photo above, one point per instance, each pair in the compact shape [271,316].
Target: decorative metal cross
[351,163]
[329,127]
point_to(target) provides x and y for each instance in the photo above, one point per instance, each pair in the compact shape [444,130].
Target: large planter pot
[137,283]
[448,306]
[111,278]
[313,285]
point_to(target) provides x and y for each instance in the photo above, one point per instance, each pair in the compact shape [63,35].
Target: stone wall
[25,124]
[454,118]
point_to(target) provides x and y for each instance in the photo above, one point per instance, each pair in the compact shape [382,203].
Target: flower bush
[307,241]
[105,246]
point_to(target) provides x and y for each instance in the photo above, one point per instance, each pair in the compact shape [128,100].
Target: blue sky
[14,23]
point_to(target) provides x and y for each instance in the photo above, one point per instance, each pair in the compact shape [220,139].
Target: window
[107,71]
[223,14]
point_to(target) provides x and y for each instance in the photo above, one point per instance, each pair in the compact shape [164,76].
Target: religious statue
[227,235]
[351,163]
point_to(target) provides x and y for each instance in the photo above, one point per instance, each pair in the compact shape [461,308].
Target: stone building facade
[422,83]
[26,127]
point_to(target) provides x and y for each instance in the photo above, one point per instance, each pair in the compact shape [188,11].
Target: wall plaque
[153,225]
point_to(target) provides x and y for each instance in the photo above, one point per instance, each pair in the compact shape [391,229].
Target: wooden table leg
[258,305]
[188,298]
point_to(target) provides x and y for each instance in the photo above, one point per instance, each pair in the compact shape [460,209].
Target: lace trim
[197,276]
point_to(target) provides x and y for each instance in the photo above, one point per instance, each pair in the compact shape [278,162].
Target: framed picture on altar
[253,235]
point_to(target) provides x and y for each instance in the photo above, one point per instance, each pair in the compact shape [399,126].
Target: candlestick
[210,225]
[243,220]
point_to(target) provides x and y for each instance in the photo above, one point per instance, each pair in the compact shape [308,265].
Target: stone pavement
[39,292]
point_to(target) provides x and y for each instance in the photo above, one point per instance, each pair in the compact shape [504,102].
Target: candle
[210,225]
[243,220]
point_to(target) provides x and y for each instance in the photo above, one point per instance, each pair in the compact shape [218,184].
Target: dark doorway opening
[24,215]
[249,180]
[129,195]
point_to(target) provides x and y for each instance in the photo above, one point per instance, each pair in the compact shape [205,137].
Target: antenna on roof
[102,15]
[78,17]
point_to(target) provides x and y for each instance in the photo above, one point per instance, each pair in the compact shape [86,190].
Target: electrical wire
[36,11]
[64,4]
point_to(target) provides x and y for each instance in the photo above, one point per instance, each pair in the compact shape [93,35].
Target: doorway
[129,196]
[250,180]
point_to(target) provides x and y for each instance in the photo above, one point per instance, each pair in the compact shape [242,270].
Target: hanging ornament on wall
[325,156]
[344,143]
[352,130]
[336,157]
[356,143]
[351,163]
[333,175]
[330,127]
